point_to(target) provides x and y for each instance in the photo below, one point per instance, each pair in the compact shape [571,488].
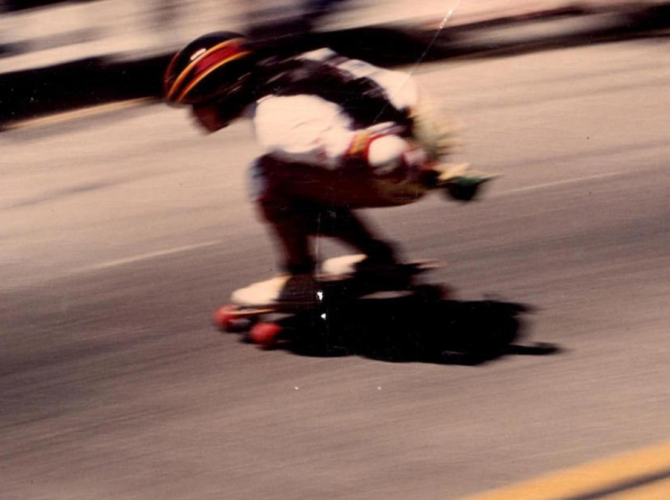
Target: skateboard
[254,313]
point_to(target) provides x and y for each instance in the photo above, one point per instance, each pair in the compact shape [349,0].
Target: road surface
[122,231]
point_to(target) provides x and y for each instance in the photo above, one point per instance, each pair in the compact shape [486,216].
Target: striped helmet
[213,67]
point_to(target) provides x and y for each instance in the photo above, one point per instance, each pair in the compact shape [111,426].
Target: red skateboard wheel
[265,334]
[226,318]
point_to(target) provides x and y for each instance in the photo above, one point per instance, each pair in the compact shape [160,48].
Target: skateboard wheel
[227,319]
[265,334]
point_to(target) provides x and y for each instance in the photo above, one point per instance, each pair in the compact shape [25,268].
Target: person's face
[210,117]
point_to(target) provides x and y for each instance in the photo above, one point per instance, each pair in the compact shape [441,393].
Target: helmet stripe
[231,44]
[168,71]
[205,62]
[206,72]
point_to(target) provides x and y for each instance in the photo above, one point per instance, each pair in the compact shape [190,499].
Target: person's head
[211,74]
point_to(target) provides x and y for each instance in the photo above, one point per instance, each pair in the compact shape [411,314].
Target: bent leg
[291,205]
[291,226]
[345,225]
[289,219]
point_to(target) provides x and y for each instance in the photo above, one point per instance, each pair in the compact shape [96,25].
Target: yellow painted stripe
[185,72]
[80,113]
[593,477]
[202,77]
[654,491]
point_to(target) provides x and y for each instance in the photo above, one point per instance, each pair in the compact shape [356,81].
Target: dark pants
[301,201]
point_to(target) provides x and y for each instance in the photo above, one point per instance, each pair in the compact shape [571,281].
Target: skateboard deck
[338,282]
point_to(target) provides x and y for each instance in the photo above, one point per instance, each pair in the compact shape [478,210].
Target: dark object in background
[16,5]
[28,94]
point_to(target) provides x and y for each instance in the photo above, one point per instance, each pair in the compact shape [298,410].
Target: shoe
[377,266]
[359,264]
[263,293]
[300,289]
[285,288]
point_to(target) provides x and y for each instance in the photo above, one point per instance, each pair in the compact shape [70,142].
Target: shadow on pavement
[419,327]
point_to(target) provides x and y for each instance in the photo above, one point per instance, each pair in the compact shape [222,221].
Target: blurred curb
[91,82]
[504,36]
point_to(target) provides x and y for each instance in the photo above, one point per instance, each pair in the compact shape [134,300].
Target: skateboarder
[337,134]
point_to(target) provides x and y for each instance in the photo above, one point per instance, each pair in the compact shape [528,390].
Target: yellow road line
[620,477]
[654,491]
[80,113]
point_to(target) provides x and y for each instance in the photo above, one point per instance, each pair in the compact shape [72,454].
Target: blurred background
[97,41]
[45,32]
[35,33]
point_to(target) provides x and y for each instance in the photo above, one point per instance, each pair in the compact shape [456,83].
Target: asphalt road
[122,231]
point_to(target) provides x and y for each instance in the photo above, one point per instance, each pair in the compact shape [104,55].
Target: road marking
[655,491]
[152,255]
[187,248]
[80,113]
[641,474]
[171,251]
[560,183]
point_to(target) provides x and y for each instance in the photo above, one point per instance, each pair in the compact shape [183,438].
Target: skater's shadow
[418,327]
